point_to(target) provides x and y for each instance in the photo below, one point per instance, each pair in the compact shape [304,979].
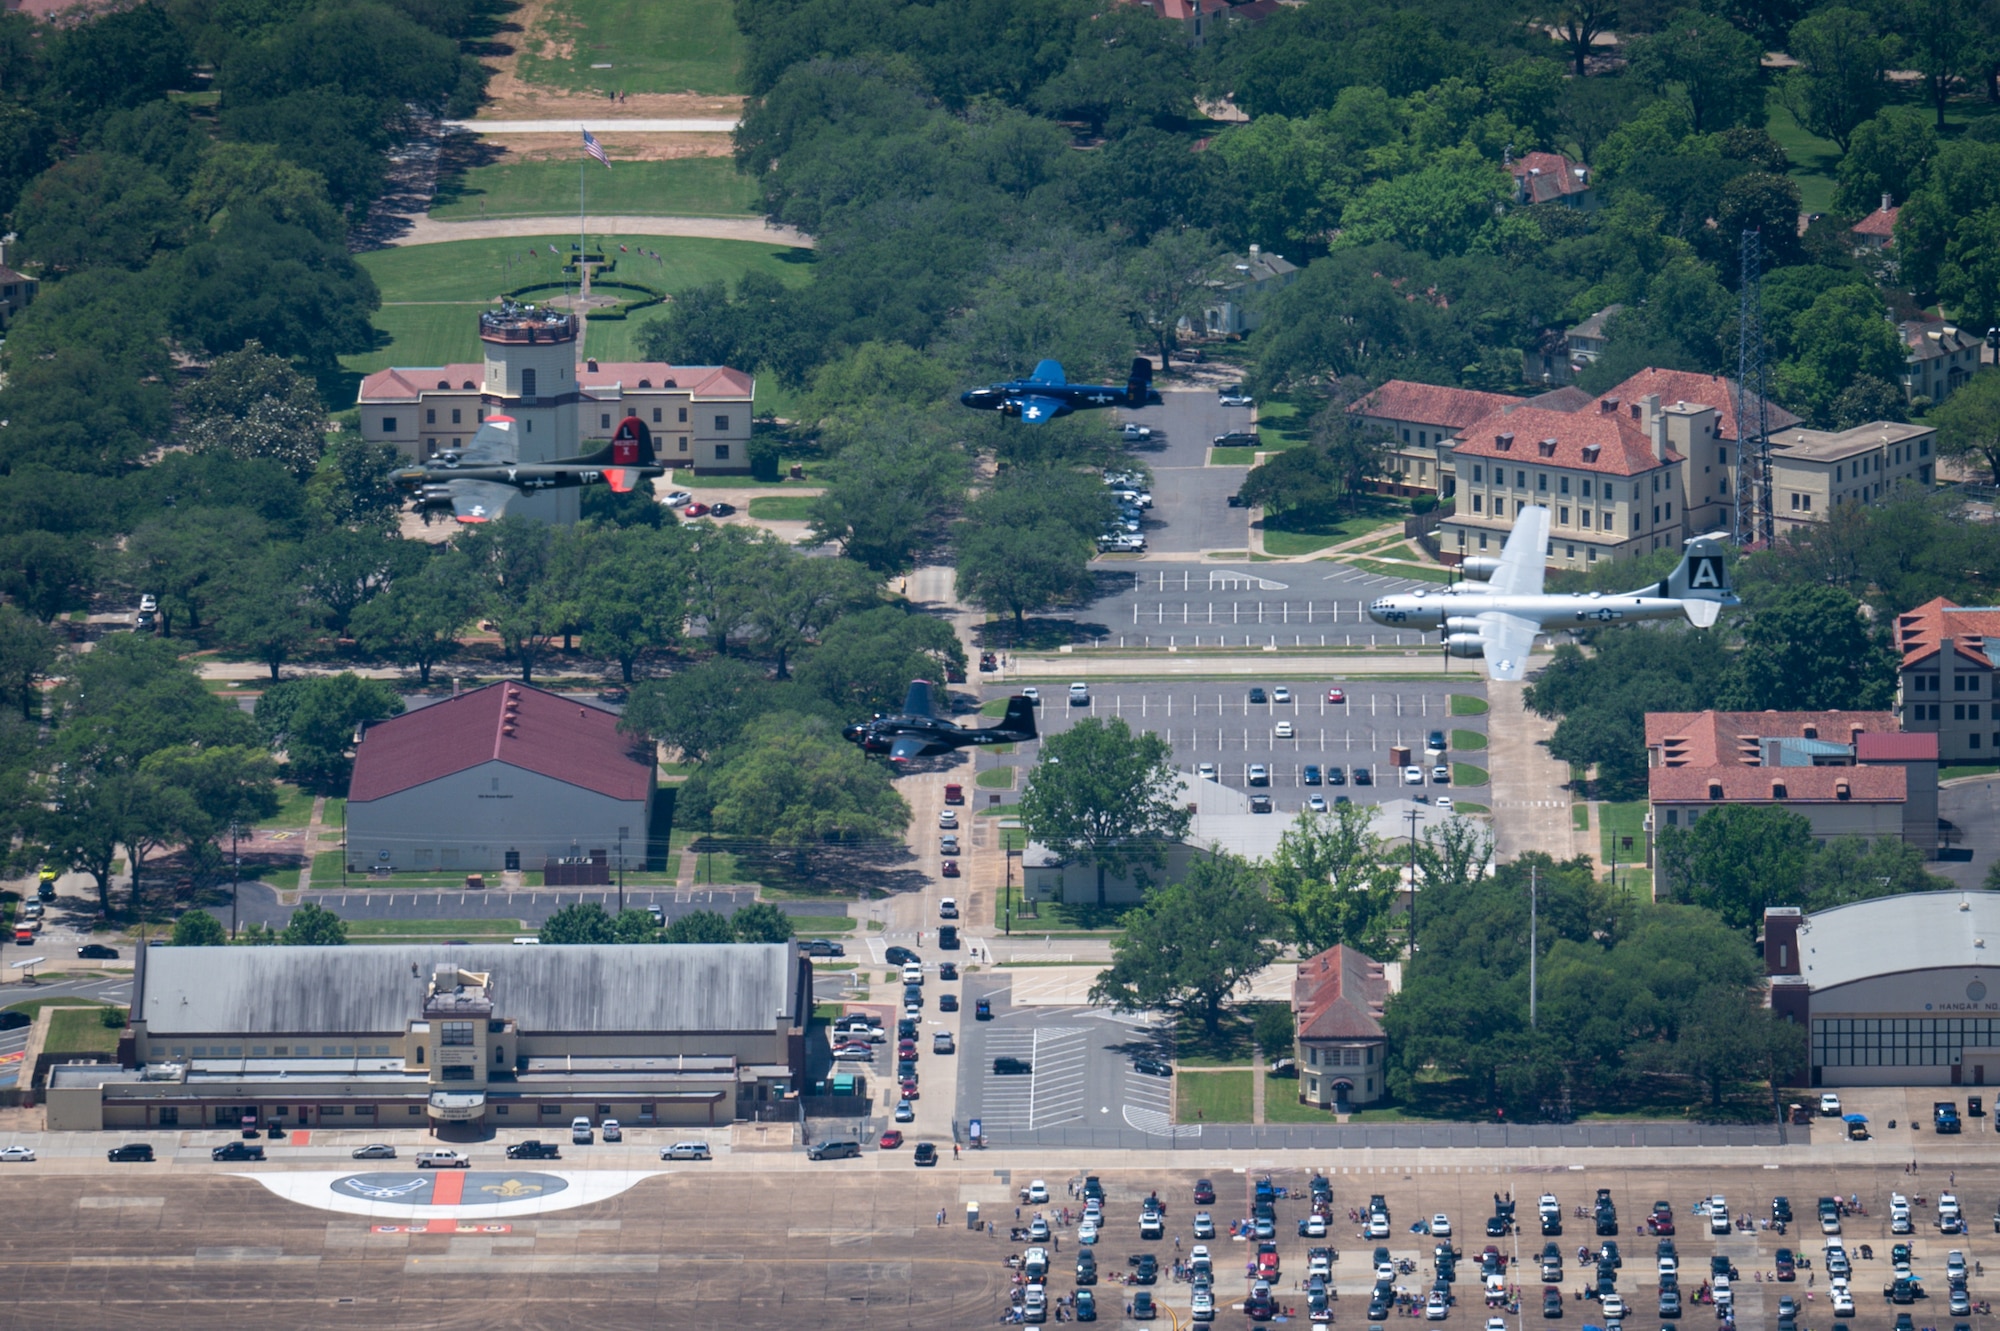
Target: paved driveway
[1286,605]
[1191,510]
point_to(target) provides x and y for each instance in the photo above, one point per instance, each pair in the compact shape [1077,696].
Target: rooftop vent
[1592,451]
[1812,732]
[1547,448]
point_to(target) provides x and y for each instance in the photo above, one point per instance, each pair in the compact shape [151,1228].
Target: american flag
[595,149]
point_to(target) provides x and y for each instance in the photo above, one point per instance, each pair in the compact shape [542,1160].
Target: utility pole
[1533,957]
[1008,851]
[235,875]
[1415,814]
[1754,521]
[621,871]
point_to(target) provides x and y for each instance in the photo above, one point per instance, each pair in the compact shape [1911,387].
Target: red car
[1267,1261]
[1332,695]
[910,1091]
[696,510]
[951,868]
[889,1140]
[906,1049]
[1204,1192]
[1661,1221]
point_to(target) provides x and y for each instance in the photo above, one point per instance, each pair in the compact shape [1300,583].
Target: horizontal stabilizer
[1702,614]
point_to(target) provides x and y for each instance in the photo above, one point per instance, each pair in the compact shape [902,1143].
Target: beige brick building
[1948,676]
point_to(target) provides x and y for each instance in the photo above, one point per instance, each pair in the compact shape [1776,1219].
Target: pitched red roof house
[1338,995]
[1429,404]
[516,724]
[1540,177]
[1878,229]
[1709,739]
[1709,390]
[1921,631]
[1606,441]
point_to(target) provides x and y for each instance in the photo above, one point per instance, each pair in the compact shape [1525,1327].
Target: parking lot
[1207,722]
[1191,509]
[1293,605]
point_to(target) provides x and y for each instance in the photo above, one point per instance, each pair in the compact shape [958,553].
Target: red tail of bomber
[631,446]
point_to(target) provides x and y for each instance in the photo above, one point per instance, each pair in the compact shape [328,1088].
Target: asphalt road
[1282,605]
[14,1043]
[1209,722]
[1191,511]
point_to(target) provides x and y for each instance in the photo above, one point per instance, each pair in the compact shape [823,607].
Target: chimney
[454,686]
[1781,940]
[1256,250]
[1885,201]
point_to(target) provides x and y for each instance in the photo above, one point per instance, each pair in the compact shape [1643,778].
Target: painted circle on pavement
[448,1187]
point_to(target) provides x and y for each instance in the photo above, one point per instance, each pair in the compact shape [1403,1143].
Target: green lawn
[33,1006]
[1948,770]
[1620,820]
[682,187]
[1466,704]
[1814,159]
[1281,1103]
[386,931]
[995,778]
[1467,806]
[432,293]
[1301,533]
[1279,425]
[1465,774]
[1214,1097]
[1000,811]
[782,508]
[294,807]
[1468,739]
[81,1031]
[814,925]
[645,46]
[1579,817]
[1232,457]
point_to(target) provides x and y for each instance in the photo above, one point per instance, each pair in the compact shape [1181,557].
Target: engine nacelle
[1479,567]
[1461,624]
[1465,644]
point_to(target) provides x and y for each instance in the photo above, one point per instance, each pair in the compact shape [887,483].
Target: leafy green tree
[1602,698]
[701,926]
[99,210]
[1840,82]
[1275,1029]
[1736,860]
[1061,303]
[896,486]
[28,655]
[852,392]
[1192,944]
[515,558]
[1852,868]
[262,611]
[634,598]
[354,485]
[1578,24]
[250,404]
[864,662]
[698,711]
[761,922]
[1452,855]
[197,928]
[1106,796]
[795,783]
[1446,208]
[215,788]
[800,598]
[635,926]
[1843,337]
[582,922]
[1938,35]
[1888,154]
[1710,66]
[313,926]
[1808,649]
[315,719]
[47,573]
[1022,569]
[416,622]
[1132,71]
[257,279]
[1333,884]
[1968,425]
[1945,230]
[121,59]
[1168,281]
[186,556]
[235,177]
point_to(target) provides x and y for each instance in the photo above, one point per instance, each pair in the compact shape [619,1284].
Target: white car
[1038,1192]
[1033,695]
[1201,1305]
[1444,803]
[1413,776]
[1079,694]
[1281,694]
[1378,1228]
[1436,1308]
[1284,730]
[686,1151]
[1206,771]
[148,604]
[17,1154]
[1129,430]
[1441,1226]
[1234,397]
[1614,1306]
[905,1112]
[948,820]
[1087,1231]
[1829,1105]
[678,499]
[948,910]
[611,1130]
[1204,1225]
[1038,1230]
[1842,1299]
[1496,1324]
[1317,803]
[1259,775]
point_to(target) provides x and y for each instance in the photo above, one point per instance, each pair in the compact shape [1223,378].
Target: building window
[430,416]
[332,1111]
[1476,477]
[1475,503]
[684,443]
[1569,552]
[1656,512]
[527,383]
[388,425]
[1542,481]
[551,1109]
[454,415]
[656,415]
[1520,480]
[501,1110]
[1562,516]
[684,413]
[455,1074]
[1635,522]
[1406,434]
[413,1110]
[170,1116]
[1350,1058]
[603,420]
[1590,554]
[721,422]
[456,1034]
[1670,510]
[721,452]
[1482,540]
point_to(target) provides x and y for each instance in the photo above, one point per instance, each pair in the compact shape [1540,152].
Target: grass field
[1231,457]
[1281,1103]
[1214,1097]
[782,508]
[1579,817]
[1813,159]
[1464,704]
[1620,820]
[1468,739]
[641,45]
[995,778]
[1301,534]
[1465,774]
[33,1006]
[432,293]
[81,1031]
[295,807]
[1415,572]
[682,187]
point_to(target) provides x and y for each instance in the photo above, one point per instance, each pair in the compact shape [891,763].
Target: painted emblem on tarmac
[449,1188]
[383,1187]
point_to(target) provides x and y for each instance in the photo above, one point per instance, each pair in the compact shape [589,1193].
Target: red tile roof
[1875,747]
[1429,404]
[1338,995]
[1881,222]
[404,385]
[1708,739]
[1709,390]
[1621,447]
[703,381]
[543,733]
[1920,631]
[1758,785]
[1544,176]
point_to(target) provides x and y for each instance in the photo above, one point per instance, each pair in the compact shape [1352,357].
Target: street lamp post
[621,871]
[235,875]
[1415,814]
[1009,897]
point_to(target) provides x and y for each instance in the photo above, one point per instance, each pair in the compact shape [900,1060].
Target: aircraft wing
[493,446]
[1035,408]
[906,748]
[1048,372]
[1525,558]
[917,702]
[480,501]
[1508,639]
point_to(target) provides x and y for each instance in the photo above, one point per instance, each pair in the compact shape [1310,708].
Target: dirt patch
[509,97]
[620,147]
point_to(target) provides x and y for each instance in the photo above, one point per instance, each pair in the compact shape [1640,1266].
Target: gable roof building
[502,778]
[1940,358]
[1877,231]
[1419,418]
[1337,1002]
[1950,675]
[1551,178]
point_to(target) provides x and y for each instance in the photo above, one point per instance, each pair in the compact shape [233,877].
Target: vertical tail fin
[1138,382]
[1700,582]
[1020,718]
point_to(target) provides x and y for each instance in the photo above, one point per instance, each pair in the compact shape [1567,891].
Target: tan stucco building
[1950,687]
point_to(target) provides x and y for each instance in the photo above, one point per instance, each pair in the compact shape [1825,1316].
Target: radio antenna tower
[1754,521]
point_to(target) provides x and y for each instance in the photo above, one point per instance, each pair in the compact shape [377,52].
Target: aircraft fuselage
[1431,610]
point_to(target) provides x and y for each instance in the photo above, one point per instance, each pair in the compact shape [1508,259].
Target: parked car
[688,1151]
[237,1151]
[375,1151]
[534,1150]
[130,1152]
[17,1154]
[926,1155]
[97,952]
[443,1159]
